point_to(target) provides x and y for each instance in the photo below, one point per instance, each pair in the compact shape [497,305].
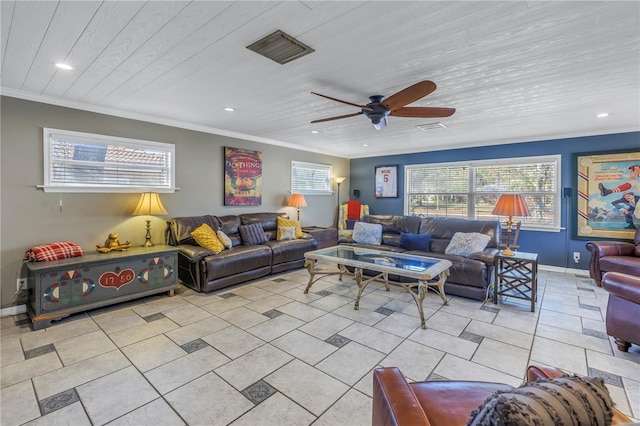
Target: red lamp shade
[297,201]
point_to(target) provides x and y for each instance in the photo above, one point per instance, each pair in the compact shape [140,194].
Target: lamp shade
[297,200]
[511,205]
[339,179]
[149,204]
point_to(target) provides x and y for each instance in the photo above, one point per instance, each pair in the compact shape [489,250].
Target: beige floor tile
[229,403]
[164,303]
[279,287]
[399,324]
[326,326]
[619,398]
[447,322]
[409,308]
[501,334]
[253,366]
[350,363]
[594,325]
[331,302]
[301,311]
[268,303]
[243,318]
[416,361]
[305,347]
[444,342]
[354,409]
[83,347]
[153,352]
[186,314]
[196,330]
[221,305]
[277,410]
[558,354]
[275,327]
[156,413]
[503,357]
[111,396]
[233,342]
[632,388]
[611,364]
[74,375]
[464,309]
[516,321]
[561,320]
[24,370]
[59,331]
[251,292]
[579,312]
[19,404]
[364,316]
[113,321]
[71,415]
[173,374]
[10,351]
[572,338]
[312,389]
[454,368]
[141,332]
[369,336]
[298,294]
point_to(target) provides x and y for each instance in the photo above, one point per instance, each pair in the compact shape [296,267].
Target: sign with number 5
[386,181]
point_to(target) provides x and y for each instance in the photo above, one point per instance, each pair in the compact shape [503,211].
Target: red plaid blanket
[54,251]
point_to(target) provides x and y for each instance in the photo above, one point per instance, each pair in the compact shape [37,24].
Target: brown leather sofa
[623,308]
[469,276]
[205,271]
[397,402]
[614,256]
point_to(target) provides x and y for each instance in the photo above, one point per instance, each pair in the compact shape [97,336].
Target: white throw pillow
[464,244]
[367,233]
[287,232]
[224,239]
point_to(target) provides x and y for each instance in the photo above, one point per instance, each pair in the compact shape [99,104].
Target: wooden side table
[326,237]
[61,287]
[516,276]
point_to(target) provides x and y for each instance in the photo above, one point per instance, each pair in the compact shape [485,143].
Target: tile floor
[265,353]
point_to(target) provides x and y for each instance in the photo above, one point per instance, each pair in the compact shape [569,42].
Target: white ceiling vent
[431,126]
[280,47]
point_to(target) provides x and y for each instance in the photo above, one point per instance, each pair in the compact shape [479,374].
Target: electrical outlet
[21,284]
[576,256]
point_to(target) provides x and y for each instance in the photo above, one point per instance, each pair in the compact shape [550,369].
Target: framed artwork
[608,188]
[242,177]
[386,181]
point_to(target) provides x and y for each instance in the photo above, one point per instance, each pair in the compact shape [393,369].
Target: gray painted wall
[32,217]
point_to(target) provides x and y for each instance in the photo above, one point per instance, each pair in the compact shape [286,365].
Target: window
[84,162]
[471,189]
[310,178]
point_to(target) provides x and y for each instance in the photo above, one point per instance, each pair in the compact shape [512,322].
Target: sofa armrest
[487,255]
[394,402]
[622,285]
[610,248]
[194,253]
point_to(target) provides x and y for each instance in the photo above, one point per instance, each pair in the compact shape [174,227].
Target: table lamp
[150,205]
[297,201]
[511,205]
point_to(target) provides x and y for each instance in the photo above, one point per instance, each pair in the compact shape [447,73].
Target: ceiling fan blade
[409,95]
[423,112]
[344,102]
[337,117]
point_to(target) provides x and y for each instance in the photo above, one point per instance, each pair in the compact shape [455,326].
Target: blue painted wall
[554,248]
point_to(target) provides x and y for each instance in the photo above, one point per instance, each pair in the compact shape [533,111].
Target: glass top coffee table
[427,271]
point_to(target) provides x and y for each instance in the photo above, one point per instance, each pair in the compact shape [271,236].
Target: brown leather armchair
[615,256]
[397,402]
[623,321]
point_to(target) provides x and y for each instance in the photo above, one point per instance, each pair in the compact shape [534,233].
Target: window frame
[53,185]
[472,191]
[326,169]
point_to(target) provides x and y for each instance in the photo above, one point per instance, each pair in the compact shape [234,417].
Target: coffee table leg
[358,276]
[310,265]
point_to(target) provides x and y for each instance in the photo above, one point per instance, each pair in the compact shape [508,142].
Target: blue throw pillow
[351,223]
[415,241]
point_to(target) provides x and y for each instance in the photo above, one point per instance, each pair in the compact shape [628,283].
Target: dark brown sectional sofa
[204,271]
[469,276]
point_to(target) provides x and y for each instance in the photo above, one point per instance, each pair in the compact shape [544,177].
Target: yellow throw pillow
[207,238]
[282,222]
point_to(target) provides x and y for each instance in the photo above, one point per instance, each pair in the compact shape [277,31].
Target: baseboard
[13,310]
[563,270]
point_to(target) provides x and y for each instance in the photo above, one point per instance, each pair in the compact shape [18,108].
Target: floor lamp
[339,180]
[511,205]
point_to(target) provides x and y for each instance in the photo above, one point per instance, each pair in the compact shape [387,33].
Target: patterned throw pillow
[286,233]
[207,238]
[287,223]
[224,239]
[568,400]
[252,234]
[367,233]
[465,244]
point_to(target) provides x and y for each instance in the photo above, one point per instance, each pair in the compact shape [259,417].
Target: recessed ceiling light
[603,115]
[365,144]
[315,132]
[64,66]
[229,109]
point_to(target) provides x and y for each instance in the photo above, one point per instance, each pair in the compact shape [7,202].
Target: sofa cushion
[286,233]
[464,244]
[563,400]
[284,222]
[252,234]
[367,233]
[224,239]
[415,241]
[207,238]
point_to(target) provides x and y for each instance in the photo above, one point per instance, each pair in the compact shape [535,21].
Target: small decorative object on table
[112,243]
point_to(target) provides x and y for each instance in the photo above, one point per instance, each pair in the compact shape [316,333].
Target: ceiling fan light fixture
[280,47]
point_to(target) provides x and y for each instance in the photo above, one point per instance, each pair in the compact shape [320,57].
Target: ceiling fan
[379,107]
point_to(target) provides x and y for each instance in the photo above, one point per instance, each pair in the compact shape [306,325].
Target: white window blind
[83,162]
[310,178]
[471,189]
